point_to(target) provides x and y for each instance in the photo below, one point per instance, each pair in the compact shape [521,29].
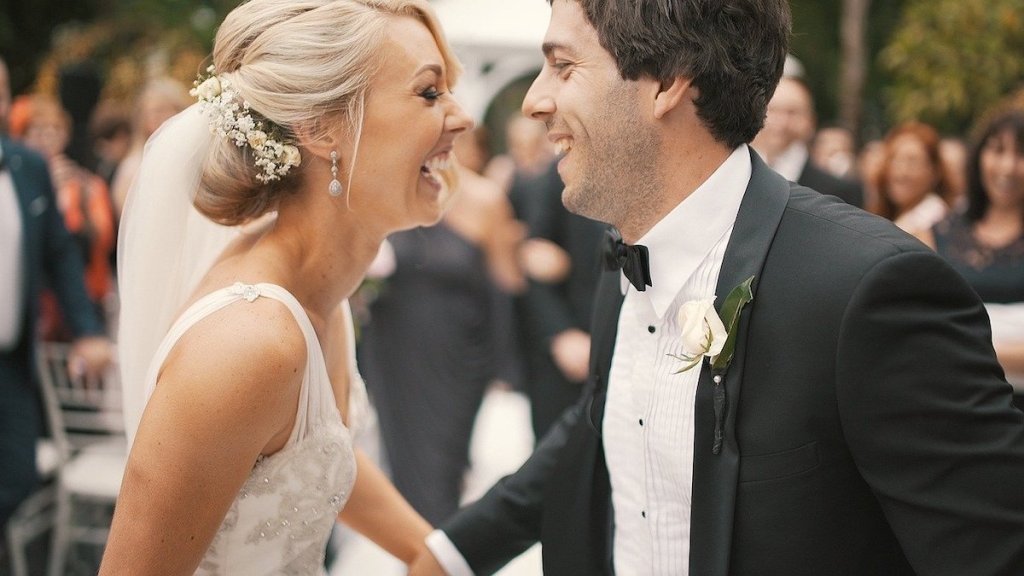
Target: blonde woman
[322,127]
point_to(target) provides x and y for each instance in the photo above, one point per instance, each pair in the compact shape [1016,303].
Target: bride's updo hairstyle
[303,66]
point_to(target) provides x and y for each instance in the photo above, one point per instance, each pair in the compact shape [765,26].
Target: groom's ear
[671,93]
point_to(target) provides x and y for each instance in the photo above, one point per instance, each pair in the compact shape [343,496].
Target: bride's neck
[323,254]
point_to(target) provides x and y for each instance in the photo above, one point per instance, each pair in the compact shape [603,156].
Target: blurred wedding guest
[159,99]
[528,152]
[953,152]
[438,336]
[33,243]
[834,150]
[783,142]
[110,130]
[554,312]
[912,187]
[82,198]
[473,149]
[869,162]
[79,85]
[985,242]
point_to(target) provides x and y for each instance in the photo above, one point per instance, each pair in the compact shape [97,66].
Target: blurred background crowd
[910,109]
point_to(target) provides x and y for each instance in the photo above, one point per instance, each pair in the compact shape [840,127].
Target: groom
[863,425]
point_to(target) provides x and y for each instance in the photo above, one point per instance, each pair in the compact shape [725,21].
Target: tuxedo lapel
[604,327]
[715,475]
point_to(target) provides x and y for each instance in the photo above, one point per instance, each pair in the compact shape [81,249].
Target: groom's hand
[425,564]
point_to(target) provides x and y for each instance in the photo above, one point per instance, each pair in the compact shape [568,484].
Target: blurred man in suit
[783,142]
[34,248]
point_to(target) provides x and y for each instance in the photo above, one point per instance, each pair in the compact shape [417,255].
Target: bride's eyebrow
[435,68]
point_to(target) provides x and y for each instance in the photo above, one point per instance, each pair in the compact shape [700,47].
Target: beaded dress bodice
[282,517]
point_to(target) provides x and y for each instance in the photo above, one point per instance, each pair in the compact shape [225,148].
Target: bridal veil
[165,246]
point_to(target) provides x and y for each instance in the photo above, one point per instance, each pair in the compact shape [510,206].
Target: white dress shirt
[11,265]
[648,420]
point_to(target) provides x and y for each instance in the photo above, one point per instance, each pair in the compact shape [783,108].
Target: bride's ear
[321,145]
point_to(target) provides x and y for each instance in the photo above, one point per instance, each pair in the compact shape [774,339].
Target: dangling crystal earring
[334,188]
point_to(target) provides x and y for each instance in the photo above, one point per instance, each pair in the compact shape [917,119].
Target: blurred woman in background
[912,186]
[160,99]
[82,197]
[985,242]
[439,334]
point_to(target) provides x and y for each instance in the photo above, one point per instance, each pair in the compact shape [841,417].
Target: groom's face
[594,117]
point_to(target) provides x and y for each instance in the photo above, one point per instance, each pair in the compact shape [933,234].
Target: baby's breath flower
[220,103]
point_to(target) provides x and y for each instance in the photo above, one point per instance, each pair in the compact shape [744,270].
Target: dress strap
[315,380]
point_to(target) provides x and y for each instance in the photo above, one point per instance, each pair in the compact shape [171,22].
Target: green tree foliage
[949,60]
[25,28]
[816,43]
[126,40]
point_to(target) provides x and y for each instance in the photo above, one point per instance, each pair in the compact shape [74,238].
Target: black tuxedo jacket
[868,427]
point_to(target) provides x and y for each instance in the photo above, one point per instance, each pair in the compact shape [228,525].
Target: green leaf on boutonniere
[730,314]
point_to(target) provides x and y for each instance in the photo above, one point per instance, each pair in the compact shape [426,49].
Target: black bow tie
[632,260]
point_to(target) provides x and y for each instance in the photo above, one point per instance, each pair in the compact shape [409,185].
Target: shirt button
[643,513]
[651,329]
[641,421]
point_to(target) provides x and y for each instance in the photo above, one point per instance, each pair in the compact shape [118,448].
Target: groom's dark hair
[733,50]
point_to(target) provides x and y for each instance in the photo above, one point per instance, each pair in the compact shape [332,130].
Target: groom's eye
[562,68]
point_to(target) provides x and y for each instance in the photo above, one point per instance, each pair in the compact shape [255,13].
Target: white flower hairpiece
[231,120]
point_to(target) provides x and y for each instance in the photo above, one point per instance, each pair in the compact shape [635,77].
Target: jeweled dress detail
[282,517]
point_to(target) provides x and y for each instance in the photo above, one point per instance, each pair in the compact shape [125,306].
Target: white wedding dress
[281,519]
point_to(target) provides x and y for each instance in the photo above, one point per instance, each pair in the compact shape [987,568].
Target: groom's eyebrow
[548,47]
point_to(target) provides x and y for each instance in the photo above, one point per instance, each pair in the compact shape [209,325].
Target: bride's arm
[376,510]
[228,392]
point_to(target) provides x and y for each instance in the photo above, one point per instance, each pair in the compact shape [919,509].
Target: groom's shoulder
[830,221]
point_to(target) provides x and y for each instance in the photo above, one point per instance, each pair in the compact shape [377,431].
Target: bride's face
[410,124]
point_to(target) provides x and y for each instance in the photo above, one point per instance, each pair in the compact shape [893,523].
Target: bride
[323,126]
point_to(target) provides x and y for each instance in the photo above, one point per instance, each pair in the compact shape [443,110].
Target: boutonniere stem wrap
[706,333]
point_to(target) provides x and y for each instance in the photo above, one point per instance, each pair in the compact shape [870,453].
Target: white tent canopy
[498,42]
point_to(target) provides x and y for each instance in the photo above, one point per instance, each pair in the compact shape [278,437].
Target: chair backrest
[80,410]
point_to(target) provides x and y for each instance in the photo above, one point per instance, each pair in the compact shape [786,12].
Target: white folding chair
[35,515]
[88,432]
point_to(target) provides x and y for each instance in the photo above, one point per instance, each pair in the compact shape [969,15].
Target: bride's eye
[431,94]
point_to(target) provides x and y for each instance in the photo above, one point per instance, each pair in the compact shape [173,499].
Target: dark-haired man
[862,426]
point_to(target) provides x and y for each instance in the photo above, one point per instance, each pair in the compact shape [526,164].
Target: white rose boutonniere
[705,333]
[702,332]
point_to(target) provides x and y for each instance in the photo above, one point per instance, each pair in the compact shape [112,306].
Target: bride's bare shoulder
[246,350]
